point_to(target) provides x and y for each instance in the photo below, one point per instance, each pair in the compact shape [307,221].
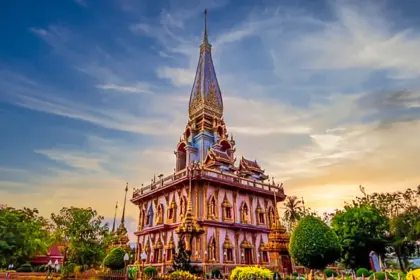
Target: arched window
[212,208]
[244,213]
[148,251]
[149,219]
[159,216]
[181,157]
[227,215]
[141,219]
[212,250]
[172,211]
[263,253]
[183,206]
[228,250]
[260,214]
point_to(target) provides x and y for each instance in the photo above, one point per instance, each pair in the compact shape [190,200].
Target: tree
[294,210]
[115,259]
[401,210]
[405,231]
[87,237]
[360,229]
[23,234]
[313,244]
[182,257]
[389,204]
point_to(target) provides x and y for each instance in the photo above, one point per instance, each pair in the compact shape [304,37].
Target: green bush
[215,273]
[330,273]
[150,271]
[26,267]
[396,273]
[115,259]
[70,267]
[362,271]
[250,272]
[42,268]
[313,244]
[381,276]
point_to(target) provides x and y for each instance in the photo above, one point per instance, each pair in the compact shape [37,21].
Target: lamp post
[143,257]
[126,258]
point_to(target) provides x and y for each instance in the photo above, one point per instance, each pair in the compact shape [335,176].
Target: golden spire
[189,225]
[278,238]
[205,39]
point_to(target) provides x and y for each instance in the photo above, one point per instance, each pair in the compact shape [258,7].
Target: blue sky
[324,94]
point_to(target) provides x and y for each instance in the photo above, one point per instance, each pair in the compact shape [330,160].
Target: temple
[120,234]
[225,211]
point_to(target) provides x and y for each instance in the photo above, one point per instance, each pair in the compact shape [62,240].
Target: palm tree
[293,210]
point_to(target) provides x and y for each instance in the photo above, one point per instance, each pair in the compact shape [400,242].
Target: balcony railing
[205,173]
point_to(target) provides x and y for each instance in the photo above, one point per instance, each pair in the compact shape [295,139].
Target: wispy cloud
[139,88]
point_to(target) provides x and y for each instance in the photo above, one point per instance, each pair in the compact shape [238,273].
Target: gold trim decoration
[244,213]
[172,209]
[228,244]
[159,214]
[226,205]
[212,208]
[259,211]
[246,244]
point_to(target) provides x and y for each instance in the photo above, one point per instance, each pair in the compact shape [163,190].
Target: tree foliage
[115,259]
[360,230]
[404,214]
[85,232]
[182,257]
[23,234]
[313,244]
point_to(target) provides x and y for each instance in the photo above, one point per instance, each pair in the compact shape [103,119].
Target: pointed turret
[189,226]
[278,241]
[206,97]
[115,216]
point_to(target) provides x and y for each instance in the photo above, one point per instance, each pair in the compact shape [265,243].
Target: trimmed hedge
[330,273]
[115,259]
[26,267]
[362,272]
[150,271]
[314,244]
[381,276]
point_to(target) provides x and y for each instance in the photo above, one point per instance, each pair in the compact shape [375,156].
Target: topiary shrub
[250,272]
[115,259]
[26,267]
[313,244]
[330,273]
[150,271]
[381,276]
[362,272]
